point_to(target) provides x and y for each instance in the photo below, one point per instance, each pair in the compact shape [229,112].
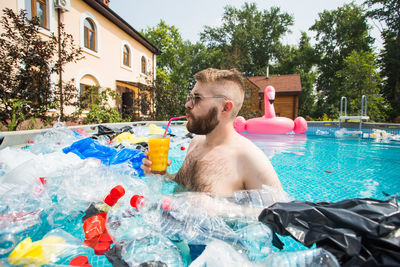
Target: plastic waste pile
[382,136]
[343,133]
[76,199]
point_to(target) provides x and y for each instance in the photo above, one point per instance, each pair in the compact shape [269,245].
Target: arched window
[126,56]
[143,68]
[89,91]
[89,35]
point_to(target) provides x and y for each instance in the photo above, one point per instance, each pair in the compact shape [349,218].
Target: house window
[38,8]
[89,35]
[126,56]
[143,68]
[89,95]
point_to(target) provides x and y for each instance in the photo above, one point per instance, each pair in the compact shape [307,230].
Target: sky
[190,16]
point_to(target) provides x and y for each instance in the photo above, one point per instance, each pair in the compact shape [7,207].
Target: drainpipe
[60,66]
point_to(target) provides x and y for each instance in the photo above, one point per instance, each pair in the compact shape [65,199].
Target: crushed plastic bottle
[151,246]
[182,217]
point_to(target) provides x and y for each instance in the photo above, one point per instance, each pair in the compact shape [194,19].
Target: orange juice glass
[158,153]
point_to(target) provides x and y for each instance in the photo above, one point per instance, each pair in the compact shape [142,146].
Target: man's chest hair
[202,171]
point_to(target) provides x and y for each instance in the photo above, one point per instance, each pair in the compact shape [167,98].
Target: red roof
[282,83]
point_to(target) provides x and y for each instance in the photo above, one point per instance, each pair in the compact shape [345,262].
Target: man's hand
[146,166]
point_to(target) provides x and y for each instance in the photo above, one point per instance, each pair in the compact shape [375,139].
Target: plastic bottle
[151,246]
[179,218]
[303,258]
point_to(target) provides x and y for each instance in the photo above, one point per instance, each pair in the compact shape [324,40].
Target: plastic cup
[158,153]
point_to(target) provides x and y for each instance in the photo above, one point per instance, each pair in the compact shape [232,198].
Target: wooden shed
[287,91]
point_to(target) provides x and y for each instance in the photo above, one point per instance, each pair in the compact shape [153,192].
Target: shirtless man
[219,160]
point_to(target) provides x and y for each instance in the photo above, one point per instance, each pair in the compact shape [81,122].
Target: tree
[387,11]
[248,38]
[27,61]
[24,71]
[339,32]
[66,93]
[172,73]
[359,77]
[301,60]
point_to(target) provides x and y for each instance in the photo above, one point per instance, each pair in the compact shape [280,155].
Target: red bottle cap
[79,261]
[106,238]
[136,201]
[182,148]
[94,226]
[117,192]
[103,214]
[110,201]
[101,248]
[42,180]
[166,204]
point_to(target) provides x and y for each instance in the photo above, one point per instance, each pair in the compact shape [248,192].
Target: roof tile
[281,83]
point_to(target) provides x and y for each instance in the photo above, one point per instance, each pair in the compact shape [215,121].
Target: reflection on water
[275,144]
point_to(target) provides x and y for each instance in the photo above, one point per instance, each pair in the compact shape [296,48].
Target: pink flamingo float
[269,123]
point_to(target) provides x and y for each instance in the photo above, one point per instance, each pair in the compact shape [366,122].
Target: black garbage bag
[103,130]
[359,232]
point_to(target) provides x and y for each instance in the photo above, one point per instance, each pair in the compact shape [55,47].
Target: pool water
[320,168]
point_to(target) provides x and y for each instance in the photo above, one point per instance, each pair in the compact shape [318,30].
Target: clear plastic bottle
[151,246]
[303,258]
[181,217]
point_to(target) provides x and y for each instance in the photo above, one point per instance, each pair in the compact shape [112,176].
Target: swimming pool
[358,168]
[323,168]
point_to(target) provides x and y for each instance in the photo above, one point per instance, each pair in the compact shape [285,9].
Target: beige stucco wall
[105,65]
[7,3]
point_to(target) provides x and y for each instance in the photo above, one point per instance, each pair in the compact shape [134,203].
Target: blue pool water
[359,168]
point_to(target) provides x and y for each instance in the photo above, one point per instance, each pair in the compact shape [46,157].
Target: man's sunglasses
[195,99]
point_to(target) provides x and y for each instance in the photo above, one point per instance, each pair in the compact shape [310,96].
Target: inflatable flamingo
[269,123]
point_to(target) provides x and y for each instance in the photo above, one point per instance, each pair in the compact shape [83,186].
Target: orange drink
[158,153]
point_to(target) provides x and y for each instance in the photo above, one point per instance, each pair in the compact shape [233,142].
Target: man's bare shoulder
[256,168]
[247,148]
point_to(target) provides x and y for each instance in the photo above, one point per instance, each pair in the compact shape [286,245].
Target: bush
[99,107]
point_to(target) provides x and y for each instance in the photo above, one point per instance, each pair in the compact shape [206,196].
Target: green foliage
[359,77]
[27,62]
[98,103]
[173,74]
[248,38]
[338,33]
[300,60]
[24,70]
[324,117]
[169,98]
[387,11]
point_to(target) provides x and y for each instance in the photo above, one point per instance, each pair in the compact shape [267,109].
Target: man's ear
[228,106]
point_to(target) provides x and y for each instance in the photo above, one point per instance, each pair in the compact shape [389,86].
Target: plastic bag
[88,148]
[357,231]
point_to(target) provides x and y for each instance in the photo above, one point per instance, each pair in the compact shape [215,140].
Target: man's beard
[205,124]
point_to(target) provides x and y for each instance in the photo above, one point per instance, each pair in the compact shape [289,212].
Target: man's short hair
[216,75]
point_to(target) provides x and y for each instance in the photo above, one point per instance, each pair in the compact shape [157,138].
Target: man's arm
[258,170]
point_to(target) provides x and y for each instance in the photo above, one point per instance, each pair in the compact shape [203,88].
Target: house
[116,56]
[287,91]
